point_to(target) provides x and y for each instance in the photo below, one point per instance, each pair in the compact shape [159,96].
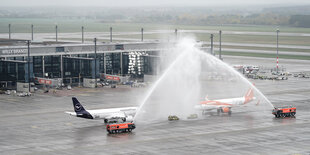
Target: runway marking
[12,99]
[84,94]
[34,127]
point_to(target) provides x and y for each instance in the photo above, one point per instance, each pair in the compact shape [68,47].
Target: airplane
[111,114]
[225,105]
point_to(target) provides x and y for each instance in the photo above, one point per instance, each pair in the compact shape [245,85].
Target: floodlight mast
[278,50]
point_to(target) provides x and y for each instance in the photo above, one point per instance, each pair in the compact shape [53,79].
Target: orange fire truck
[122,127]
[285,111]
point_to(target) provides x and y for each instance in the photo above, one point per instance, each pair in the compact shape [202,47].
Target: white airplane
[126,113]
[225,105]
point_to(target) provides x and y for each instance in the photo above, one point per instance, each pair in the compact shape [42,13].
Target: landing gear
[283,115]
[204,112]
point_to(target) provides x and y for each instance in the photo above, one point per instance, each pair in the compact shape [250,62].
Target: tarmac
[38,125]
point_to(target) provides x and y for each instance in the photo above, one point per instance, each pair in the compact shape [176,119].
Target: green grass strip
[263,55]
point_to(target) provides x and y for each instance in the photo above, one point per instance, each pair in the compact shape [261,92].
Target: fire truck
[285,111]
[120,127]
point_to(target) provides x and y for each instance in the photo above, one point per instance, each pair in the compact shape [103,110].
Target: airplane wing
[71,113]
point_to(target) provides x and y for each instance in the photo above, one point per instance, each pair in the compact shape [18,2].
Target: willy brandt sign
[14,51]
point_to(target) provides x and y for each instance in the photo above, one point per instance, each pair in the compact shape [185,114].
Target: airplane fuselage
[107,113]
[214,104]
[226,104]
[125,113]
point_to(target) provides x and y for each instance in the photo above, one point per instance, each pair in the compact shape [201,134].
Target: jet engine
[225,109]
[128,119]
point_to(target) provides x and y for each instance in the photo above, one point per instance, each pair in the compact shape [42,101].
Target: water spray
[157,82]
[173,95]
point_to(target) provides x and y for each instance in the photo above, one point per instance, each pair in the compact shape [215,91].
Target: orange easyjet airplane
[224,105]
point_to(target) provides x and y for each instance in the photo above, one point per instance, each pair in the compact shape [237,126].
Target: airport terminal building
[73,62]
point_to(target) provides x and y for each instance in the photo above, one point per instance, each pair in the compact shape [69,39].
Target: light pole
[142,34]
[9,31]
[28,61]
[31,32]
[278,50]
[220,56]
[95,40]
[110,34]
[56,27]
[80,69]
[82,34]
[212,52]
[80,78]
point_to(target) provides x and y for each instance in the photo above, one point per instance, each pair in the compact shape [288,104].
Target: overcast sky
[131,3]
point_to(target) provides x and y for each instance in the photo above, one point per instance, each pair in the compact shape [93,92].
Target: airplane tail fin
[78,108]
[249,95]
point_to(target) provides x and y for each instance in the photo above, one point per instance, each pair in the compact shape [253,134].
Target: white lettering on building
[14,51]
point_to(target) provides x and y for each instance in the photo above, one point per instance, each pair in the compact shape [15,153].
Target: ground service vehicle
[120,127]
[285,111]
[173,118]
[192,116]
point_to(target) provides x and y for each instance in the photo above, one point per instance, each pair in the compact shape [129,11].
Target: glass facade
[76,69]
[37,66]
[113,63]
[138,64]
[52,66]
[21,72]
[100,61]
[78,66]
[148,65]
[125,63]
[12,71]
